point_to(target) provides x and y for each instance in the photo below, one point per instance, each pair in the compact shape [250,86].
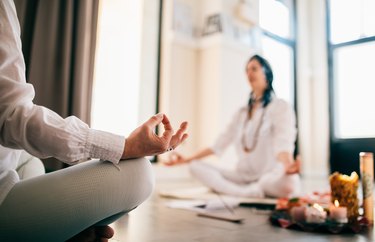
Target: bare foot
[93,234]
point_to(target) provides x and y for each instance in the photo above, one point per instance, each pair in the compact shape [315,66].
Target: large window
[126,67]
[351,51]
[277,20]
[351,20]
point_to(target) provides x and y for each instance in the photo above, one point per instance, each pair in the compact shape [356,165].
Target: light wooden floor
[154,222]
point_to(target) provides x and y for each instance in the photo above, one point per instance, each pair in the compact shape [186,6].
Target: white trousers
[60,204]
[272,184]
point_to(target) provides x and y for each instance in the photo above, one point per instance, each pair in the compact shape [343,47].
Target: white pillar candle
[337,213]
[315,214]
[298,213]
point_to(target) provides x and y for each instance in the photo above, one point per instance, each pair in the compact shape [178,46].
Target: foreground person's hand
[144,142]
[94,234]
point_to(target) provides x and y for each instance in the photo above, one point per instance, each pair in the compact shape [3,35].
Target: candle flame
[337,204]
[318,207]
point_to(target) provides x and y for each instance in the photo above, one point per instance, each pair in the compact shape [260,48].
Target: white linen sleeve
[228,135]
[284,127]
[38,130]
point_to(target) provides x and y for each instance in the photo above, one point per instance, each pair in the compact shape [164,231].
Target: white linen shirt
[277,133]
[38,130]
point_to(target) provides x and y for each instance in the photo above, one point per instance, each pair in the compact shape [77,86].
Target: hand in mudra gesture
[143,141]
[175,159]
[293,167]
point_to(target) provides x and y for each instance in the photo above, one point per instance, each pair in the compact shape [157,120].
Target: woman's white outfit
[271,130]
[55,206]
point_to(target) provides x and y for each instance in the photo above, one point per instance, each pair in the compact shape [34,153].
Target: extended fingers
[184,137]
[182,128]
[168,140]
[168,130]
[180,136]
[180,132]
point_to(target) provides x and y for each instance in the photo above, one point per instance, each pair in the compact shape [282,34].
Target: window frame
[292,43]
[344,152]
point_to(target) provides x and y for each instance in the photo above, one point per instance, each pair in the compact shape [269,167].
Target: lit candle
[344,189]
[315,214]
[337,213]
[298,213]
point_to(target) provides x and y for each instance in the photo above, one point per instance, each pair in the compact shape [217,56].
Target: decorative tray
[283,219]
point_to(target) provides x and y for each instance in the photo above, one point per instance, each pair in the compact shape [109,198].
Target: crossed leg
[273,184]
[58,205]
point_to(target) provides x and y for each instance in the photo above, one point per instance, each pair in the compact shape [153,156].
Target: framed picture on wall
[213,25]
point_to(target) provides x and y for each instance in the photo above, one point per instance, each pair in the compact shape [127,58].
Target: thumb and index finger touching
[158,119]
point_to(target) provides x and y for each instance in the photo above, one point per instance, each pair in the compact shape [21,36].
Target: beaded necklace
[246,148]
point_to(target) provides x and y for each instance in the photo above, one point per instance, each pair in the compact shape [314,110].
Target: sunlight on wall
[115,105]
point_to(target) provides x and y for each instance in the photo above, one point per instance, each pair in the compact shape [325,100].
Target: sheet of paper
[196,192]
[194,205]
[222,215]
[207,205]
[214,209]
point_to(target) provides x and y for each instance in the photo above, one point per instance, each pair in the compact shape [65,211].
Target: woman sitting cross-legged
[263,133]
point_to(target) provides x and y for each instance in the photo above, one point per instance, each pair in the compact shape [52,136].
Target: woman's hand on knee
[144,142]
[293,167]
[175,159]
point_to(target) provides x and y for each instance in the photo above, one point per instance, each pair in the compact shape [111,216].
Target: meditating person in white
[58,205]
[264,133]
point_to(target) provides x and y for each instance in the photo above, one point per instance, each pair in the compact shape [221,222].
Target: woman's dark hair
[267,96]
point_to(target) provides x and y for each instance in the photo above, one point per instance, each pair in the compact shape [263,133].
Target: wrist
[104,145]
[126,154]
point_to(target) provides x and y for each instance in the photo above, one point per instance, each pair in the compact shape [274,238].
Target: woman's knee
[284,186]
[142,178]
[196,168]
[192,167]
[291,187]
[147,178]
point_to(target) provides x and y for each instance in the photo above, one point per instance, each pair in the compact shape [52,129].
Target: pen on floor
[229,208]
